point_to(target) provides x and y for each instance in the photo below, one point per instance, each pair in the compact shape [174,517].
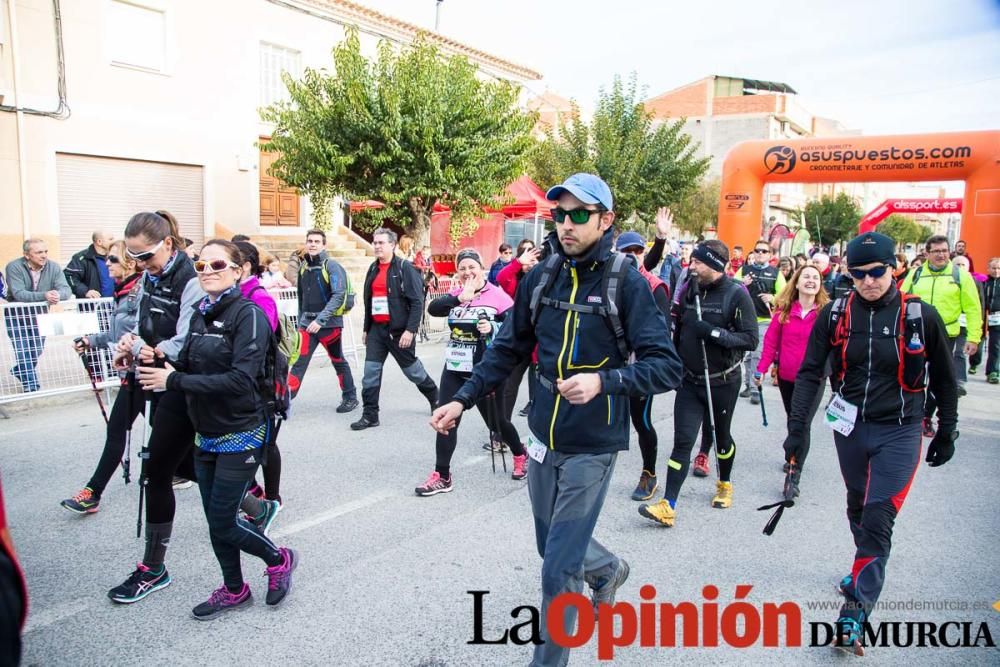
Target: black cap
[869,248]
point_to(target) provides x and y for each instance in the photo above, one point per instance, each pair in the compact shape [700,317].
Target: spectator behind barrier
[87,272]
[32,279]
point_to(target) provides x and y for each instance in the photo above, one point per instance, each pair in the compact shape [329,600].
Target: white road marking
[38,619]
[332,513]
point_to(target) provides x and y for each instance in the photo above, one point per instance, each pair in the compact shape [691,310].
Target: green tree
[698,209]
[903,229]
[411,128]
[646,167]
[832,219]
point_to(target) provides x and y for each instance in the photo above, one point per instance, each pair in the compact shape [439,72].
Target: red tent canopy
[529,200]
[358,206]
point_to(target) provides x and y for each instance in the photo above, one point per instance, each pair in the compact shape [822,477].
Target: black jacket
[319,297]
[871,378]
[406,296]
[765,279]
[569,343]
[82,273]
[221,364]
[166,304]
[991,295]
[727,306]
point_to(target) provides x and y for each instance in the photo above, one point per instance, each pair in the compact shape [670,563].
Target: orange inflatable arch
[973,157]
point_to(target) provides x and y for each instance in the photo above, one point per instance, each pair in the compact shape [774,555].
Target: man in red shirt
[394,303]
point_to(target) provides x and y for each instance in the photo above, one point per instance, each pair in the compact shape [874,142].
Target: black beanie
[869,248]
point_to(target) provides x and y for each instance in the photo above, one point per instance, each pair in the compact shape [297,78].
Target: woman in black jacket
[220,371]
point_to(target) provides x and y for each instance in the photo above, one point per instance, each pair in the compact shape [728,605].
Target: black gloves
[941,449]
[703,329]
[793,447]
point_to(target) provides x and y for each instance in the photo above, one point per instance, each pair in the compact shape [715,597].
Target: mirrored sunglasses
[577,216]
[875,272]
[214,266]
[146,255]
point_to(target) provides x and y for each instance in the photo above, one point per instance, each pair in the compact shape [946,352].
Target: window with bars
[273,61]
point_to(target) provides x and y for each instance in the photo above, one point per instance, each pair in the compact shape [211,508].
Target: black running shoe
[347,405]
[139,584]
[364,423]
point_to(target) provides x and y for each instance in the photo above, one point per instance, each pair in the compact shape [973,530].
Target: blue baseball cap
[629,240]
[588,188]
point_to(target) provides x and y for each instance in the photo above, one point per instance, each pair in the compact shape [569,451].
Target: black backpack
[615,269]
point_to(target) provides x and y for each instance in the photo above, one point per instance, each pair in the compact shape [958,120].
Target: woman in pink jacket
[795,312]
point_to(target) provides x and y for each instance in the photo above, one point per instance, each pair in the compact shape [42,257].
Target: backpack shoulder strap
[549,270]
[614,275]
[917,272]
[837,319]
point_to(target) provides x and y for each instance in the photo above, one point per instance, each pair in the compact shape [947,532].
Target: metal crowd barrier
[36,348]
[36,345]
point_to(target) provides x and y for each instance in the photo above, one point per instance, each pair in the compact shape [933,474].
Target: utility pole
[437,15]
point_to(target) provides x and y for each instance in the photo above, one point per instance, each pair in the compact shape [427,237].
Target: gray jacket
[123,318]
[19,282]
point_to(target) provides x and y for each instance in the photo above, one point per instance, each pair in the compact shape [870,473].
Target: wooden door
[279,202]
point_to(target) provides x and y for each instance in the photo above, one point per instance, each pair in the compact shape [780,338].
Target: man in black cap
[876,410]
[719,335]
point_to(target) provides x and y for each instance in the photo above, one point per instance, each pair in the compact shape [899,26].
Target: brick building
[721,111]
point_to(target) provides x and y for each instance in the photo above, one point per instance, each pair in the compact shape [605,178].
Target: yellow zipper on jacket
[562,353]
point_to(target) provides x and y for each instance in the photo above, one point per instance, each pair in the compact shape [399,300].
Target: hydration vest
[912,372]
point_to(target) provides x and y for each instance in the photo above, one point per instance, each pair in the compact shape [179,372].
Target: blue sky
[882,67]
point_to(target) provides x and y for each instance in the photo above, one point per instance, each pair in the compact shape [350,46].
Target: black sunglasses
[114,259]
[875,272]
[577,216]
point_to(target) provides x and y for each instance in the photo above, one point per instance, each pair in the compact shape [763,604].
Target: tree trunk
[420,222]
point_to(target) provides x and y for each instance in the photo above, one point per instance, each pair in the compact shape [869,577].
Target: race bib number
[962,321]
[536,450]
[841,415]
[380,305]
[993,319]
[459,358]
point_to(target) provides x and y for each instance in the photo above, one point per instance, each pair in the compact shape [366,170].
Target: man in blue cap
[579,420]
[887,348]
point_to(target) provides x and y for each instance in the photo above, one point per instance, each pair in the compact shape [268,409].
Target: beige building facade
[163,99]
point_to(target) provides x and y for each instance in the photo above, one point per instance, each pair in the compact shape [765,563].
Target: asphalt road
[384,574]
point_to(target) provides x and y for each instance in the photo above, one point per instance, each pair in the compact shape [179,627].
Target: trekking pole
[144,458]
[708,385]
[93,380]
[788,500]
[492,411]
[763,410]
[129,387]
[496,438]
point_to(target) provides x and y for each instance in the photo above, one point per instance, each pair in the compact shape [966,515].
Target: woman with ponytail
[170,293]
